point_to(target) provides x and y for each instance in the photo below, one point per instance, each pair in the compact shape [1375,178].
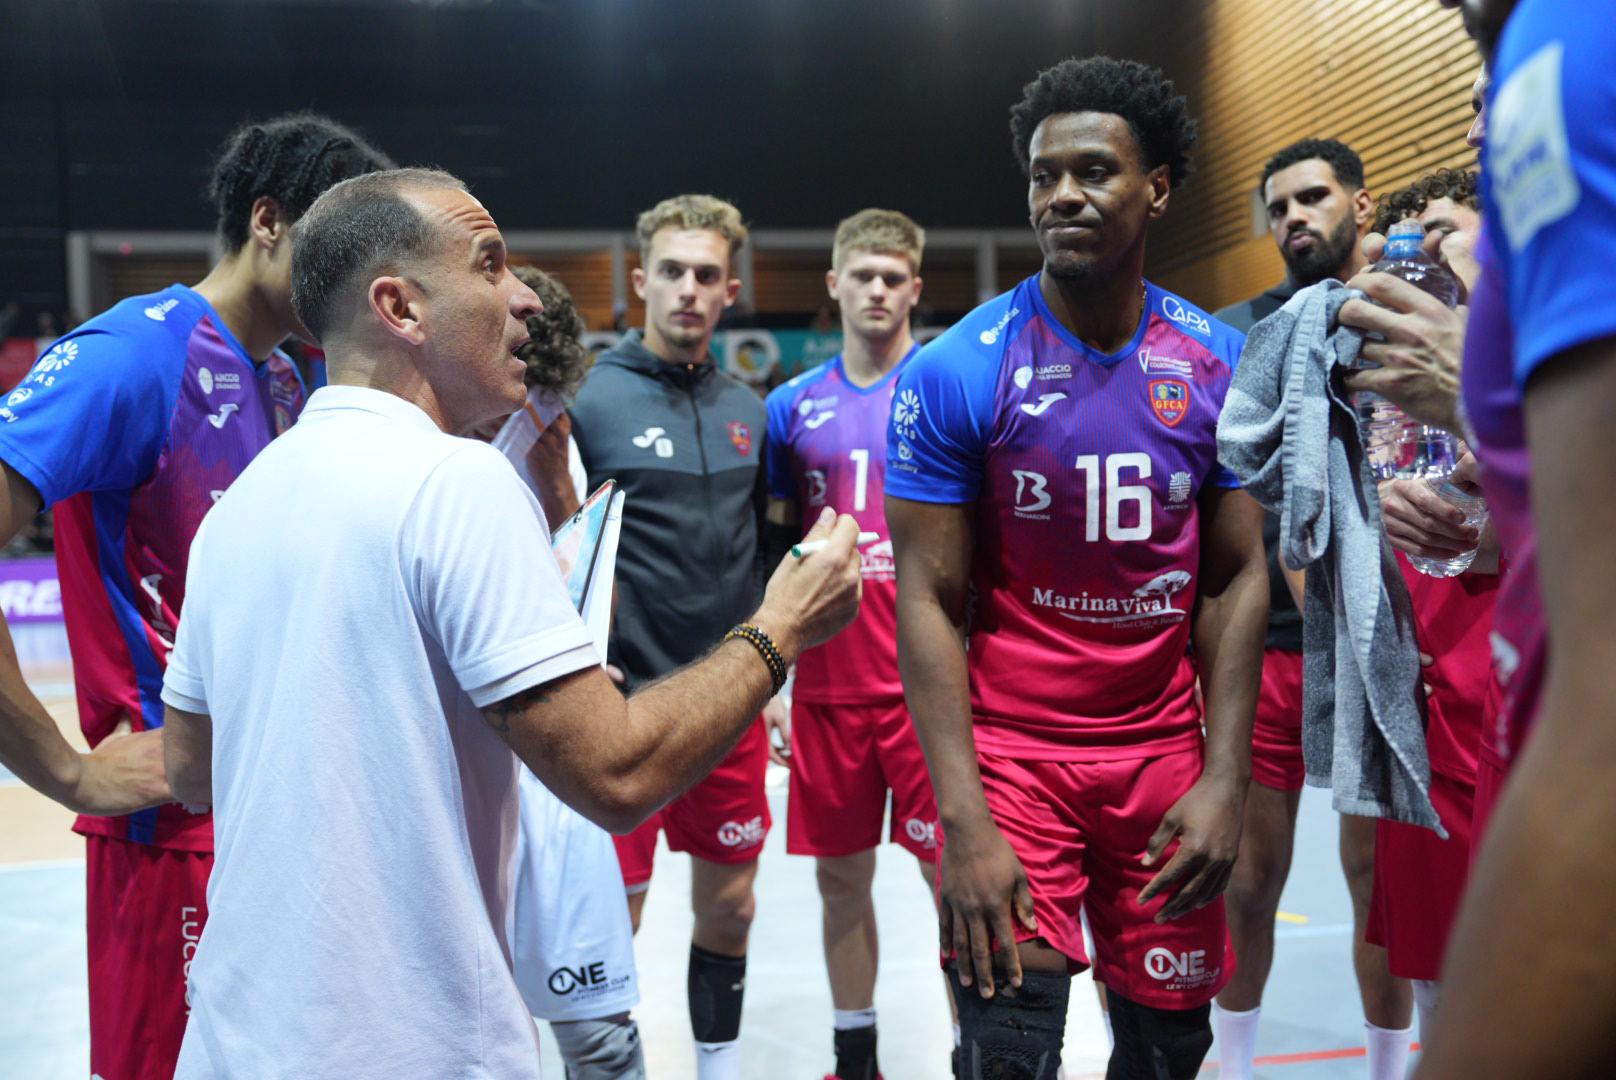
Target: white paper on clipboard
[522,430]
[585,547]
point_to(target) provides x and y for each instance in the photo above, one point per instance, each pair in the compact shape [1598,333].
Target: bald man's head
[359,230]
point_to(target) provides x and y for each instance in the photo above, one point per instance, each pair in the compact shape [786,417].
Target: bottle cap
[1406,227]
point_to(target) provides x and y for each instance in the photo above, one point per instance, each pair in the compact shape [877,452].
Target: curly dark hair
[1342,159]
[1140,94]
[291,159]
[1456,184]
[555,357]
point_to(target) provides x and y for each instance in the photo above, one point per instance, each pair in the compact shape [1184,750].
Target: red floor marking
[1277,1059]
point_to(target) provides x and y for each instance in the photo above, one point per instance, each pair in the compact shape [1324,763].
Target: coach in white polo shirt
[373,622]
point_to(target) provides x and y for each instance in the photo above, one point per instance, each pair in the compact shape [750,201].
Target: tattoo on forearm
[499,713]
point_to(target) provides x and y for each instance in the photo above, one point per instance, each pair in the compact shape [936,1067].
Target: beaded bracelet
[766,649]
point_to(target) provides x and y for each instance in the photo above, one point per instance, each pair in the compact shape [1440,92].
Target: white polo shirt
[360,590]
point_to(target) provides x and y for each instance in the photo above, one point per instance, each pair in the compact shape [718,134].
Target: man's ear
[637,279]
[830,283]
[398,306]
[1363,208]
[732,290]
[267,224]
[1161,186]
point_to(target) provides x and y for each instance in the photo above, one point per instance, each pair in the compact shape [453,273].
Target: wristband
[766,649]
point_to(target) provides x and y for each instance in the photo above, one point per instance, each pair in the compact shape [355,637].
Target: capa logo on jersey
[741,833]
[1174,309]
[1169,400]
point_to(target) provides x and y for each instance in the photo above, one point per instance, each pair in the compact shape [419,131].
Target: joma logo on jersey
[1169,400]
[741,833]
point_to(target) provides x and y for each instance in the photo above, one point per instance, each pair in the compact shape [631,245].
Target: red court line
[1277,1059]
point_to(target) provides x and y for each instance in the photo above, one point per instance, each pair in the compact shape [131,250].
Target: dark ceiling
[560,115]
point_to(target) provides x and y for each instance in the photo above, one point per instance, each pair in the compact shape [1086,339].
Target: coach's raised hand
[809,600]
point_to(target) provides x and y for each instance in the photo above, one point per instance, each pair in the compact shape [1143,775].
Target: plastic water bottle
[1405,257]
[1396,447]
[1430,454]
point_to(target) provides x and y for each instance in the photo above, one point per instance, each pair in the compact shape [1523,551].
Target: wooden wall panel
[1390,78]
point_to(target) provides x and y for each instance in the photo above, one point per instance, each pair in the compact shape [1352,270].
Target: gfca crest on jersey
[1169,400]
[741,435]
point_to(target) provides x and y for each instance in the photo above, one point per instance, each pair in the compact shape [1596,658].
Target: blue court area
[1311,1021]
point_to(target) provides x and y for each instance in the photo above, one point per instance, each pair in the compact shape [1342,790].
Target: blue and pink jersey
[1549,200]
[131,427]
[827,447]
[1084,471]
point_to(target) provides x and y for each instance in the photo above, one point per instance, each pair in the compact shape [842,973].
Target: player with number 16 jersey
[1071,561]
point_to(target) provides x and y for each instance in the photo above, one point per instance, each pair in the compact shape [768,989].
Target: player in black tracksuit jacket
[685,442]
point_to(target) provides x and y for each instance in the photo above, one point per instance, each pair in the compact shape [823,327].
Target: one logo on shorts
[1180,971]
[564,980]
[741,833]
[1169,400]
[741,436]
[655,437]
[923,833]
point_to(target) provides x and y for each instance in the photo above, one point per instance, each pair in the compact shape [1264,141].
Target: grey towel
[1294,445]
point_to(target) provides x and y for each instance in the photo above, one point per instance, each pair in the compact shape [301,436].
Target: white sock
[718,1061]
[1426,993]
[1388,1051]
[851,1019]
[1237,1041]
[956,1037]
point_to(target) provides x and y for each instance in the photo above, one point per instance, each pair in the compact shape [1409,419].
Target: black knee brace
[1015,1034]
[1157,1044]
[717,986]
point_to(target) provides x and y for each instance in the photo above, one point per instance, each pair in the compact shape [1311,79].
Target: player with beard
[1054,494]
[1529,986]
[1317,209]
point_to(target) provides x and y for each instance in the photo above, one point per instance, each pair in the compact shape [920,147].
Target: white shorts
[571,941]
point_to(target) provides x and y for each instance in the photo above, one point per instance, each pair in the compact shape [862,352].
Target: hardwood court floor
[1311,1024]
